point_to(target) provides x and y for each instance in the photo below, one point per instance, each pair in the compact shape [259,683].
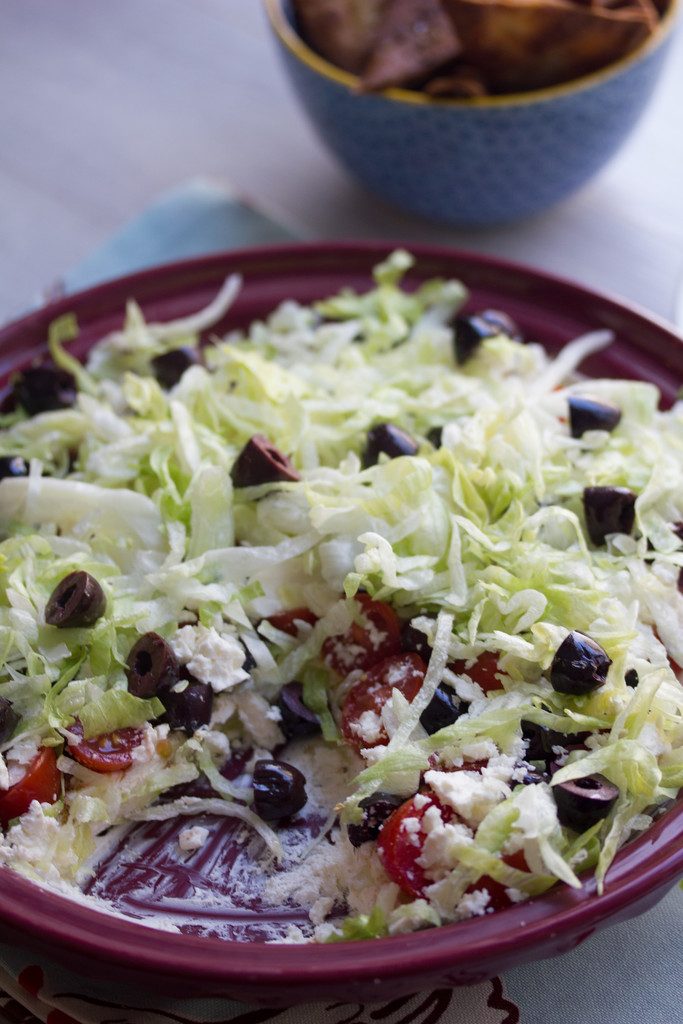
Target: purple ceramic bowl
[100,946]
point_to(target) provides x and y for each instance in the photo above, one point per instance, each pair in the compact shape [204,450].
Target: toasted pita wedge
[414,39]
[461,82]
[529,44]
[342,31]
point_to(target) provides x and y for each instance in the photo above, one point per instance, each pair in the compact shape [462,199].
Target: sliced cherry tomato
[287,621]
[399,850]
[403,672]
[482,672]
[110,752]
[41,782]
[498,897]
[362,646]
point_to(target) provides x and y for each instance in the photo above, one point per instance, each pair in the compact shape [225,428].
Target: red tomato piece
[42,782]
[110,752]
[403,672]
[482,672]
[362,646]
[399,850]
[287,621]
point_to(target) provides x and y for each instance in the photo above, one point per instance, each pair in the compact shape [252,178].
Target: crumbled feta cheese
[420,800]
[19,756]
[210,657]
[40,845]
[473,904]
[253,714]
[483,750]
[471,794]
[537,809]
[192,839]
[413,826]
[4,774]
[441,847]
[368,727]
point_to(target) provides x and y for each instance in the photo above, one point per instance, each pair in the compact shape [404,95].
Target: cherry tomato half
[362,646]
[287,621]
[110,752]
[41,782]
[482,672]
[403,672]
[399,850]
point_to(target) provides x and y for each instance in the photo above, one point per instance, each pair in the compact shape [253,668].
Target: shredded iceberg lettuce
[478,538]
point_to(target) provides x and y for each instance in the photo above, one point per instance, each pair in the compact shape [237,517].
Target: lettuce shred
[480,541]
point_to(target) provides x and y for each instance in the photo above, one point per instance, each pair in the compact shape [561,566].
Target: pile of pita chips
[385,42]
[519,45]
[470,48]
[342,31]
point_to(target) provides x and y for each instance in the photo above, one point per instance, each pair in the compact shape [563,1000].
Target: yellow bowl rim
[298,48]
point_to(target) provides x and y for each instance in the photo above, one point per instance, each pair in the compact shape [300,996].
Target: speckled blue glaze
[477,165]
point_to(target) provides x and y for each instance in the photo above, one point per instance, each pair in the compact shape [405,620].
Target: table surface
[102,106]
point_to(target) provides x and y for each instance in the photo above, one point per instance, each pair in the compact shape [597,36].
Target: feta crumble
[210,657]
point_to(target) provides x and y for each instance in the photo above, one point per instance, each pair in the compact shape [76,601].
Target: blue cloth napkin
[193,219]
[631,973]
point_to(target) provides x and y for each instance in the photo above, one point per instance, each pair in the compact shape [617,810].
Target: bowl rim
[299,49]
[647,865]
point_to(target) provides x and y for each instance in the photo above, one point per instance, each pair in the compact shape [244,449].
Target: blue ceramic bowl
[480,161]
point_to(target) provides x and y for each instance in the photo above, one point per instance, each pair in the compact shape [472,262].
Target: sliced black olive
[260,462]
[77,601]
[582,803]
[538,740]
[435,436]
[608,510]
[587,414]
[12,465]
[9,719]
[468,334]
[44,388]
[187,707]
[443,709]
[414,641]
[169,367]
[502,322]
[376,809]
[297,721]
[279,790]
[631,678]
[580,665]
[151,667]
[249,660]
[389,440]
[541,740]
